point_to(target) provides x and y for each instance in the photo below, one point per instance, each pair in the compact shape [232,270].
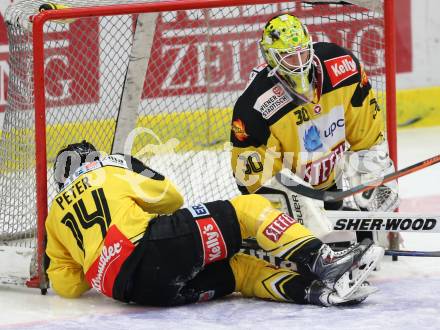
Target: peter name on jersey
[71,193]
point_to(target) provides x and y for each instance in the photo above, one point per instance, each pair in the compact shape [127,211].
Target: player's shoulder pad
[135,165]
[263,98]
[255,108]
[117,160]
[339,66]
[255,71]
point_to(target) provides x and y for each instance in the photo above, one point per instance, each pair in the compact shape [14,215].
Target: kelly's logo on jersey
[340,68]
[214,246]
[239,130]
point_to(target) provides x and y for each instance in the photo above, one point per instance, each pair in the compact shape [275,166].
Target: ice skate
[320,294]
[346,270]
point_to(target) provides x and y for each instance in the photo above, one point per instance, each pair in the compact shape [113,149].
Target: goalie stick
[332,196]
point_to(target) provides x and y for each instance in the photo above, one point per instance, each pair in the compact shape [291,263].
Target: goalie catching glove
[364,166]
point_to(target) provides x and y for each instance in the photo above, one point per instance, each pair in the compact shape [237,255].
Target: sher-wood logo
[386,224]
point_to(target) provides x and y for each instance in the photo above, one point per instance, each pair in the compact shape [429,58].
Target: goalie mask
[287,47]
[70,158]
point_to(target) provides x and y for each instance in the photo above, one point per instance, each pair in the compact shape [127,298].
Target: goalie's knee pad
[307,211]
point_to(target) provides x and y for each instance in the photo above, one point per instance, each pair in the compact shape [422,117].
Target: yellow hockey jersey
[117,194]
[272,128]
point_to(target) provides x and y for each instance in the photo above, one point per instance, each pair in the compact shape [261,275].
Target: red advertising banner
[188,61]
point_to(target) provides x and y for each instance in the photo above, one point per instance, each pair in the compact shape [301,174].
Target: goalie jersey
[98,217]
[272,128]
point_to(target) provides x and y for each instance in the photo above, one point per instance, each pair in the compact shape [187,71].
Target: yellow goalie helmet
[287,48]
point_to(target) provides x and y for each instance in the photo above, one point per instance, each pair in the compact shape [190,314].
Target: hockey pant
[192,255]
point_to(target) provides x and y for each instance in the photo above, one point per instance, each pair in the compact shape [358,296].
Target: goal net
[154,79]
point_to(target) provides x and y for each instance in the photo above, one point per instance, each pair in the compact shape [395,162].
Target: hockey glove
[367,165]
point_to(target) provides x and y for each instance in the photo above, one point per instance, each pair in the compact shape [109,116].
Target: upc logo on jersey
[214,247]
[272,100]
[340,123]
[278,226]
[340,68]
[198,210]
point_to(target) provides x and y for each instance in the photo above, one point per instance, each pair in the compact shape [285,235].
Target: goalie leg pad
[307,211]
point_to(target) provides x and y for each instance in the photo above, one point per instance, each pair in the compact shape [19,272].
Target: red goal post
[74,75]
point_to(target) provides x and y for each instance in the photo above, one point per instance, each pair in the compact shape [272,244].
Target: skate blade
[362,292]
[352,279]
[356,297]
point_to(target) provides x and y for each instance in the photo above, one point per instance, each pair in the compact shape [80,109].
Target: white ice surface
[408,297]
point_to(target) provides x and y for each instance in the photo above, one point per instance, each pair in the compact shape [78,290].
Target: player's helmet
[287,47]
[70,158]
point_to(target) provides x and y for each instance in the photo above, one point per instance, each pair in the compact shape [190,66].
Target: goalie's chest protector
[312,136]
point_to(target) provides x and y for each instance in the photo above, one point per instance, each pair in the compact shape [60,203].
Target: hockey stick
[332,196]
[251,247]
[408,253]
